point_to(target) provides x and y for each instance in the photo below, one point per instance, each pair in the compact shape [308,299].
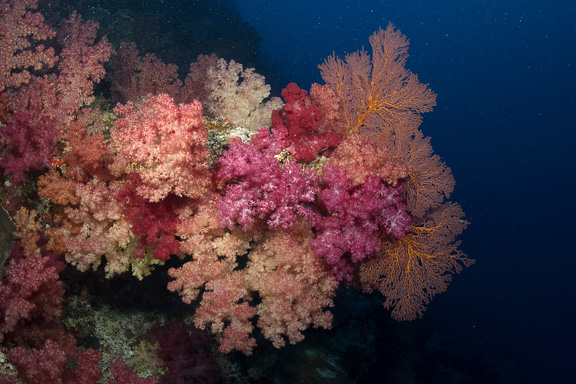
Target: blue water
[505,74]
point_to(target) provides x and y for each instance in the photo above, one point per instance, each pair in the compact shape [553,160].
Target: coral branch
[134,76]
[20,51]
[379,94]
[265,190]
[30,294]
[429,180]
[229,92]
[410,271]
[165,144]
[294,286]
[356,215]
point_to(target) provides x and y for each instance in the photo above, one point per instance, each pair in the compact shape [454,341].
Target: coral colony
[205,171]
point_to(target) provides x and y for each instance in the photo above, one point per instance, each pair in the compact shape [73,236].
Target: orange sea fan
[361,158]
[429,180]
[378,93]
[410,271]
[384,100]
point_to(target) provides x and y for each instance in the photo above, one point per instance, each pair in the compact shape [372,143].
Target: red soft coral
[124,375]
[29,130]
[86,154]
[186,353]
[154,223]
[49,364]
[30,295]
[300,125]
[30,307]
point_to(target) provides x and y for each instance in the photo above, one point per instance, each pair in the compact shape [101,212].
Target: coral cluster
[336,187]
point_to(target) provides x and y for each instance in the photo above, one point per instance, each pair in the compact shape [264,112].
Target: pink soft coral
[264,189]
[103,231]
[294,286]
[212,270]
[355,217]
[361,158]
[133,76]
[224,310]
[165,144]
[38,113]
[228,91]
[81,62]
[20,49]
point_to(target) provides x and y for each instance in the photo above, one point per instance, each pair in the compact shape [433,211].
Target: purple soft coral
[265,189]
[356,216]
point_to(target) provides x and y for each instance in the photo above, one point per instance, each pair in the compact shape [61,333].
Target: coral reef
[253,211]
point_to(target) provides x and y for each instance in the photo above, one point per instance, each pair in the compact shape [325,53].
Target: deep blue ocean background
[505,75]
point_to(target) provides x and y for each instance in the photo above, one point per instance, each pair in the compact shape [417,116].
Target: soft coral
[299,126]
[354,218]
[265,189]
